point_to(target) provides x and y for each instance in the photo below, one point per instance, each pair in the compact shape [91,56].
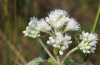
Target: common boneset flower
[58,18]
[56,25]
[53,25]
[88,43]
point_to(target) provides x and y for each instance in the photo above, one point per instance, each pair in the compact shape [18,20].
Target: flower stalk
[58,60]
[74,49]
[46,50]
[96,21]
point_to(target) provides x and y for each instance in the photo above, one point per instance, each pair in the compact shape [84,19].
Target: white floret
[61,52]
[48,42]
[63,47]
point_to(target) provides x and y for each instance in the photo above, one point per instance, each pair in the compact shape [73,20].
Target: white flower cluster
[30,30]
[58,18]
[60,42]
[43,26]
[88,43]
[35,26]
[53,25]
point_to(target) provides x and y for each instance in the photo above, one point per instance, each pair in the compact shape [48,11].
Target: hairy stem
[58,60]
[46,50]
[50,34]
[74,49]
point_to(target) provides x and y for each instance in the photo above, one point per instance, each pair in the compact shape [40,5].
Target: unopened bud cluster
[61,42]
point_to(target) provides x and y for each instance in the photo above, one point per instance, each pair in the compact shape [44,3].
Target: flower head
[30,30]
[72,25]
[43,26]
[35,27]
[57,18]
[88,43]
[53,25]
[61,42]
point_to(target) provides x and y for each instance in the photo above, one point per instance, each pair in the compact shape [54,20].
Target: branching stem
[46,50]
[58,60]
[74,49]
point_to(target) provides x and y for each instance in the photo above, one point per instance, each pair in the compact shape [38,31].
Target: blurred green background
[14,17]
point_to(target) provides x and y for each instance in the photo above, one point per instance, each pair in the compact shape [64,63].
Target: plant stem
[74,49]
[46,50]
[65,30]
[93,30]
[50,34]
[58,60]
[96,21]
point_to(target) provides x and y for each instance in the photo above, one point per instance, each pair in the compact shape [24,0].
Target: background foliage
[14,17]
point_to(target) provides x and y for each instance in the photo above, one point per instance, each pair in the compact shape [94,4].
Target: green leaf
[78,63]
[51,61]
[36,61]
[72,62]
[68,61]
[90,64]
[56,51]
[84,63]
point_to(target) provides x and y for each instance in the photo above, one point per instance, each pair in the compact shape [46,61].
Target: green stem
[65,30]
[58,60]
[46,50]
[74,49]
[96,21]
[93,30]
[50,34]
